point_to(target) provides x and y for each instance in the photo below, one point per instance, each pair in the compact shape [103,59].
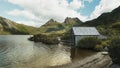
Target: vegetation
[26,29]
[114,50]
[46,38]
[10,27]
[102,46]
[53,26]
[108,24]
[89,42]
[53,29]
[93,43]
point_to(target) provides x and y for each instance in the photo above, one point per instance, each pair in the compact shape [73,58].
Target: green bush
[115,42]
[114,50]
[45,38]
[98,47]
[116,26]
[89,42]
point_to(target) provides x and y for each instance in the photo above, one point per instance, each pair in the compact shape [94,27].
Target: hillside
[105,18]
[10,27]
[53,26]
[108,23]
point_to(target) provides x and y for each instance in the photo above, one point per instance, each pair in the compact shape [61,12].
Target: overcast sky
[38,12]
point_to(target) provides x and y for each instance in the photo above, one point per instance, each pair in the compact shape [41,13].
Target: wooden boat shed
[82,32]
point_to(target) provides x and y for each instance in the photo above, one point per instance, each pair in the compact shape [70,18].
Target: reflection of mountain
[9,27]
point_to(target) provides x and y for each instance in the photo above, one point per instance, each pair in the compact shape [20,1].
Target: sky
[38,12]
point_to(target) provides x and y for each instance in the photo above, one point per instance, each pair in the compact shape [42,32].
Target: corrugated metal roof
[85,31]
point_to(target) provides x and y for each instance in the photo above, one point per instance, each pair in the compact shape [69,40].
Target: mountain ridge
[54,26]
[105,18]
[10,27]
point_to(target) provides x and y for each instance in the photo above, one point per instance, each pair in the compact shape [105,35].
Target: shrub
[116,26]
[105,43]
[114,50]
[45,38]
[89,42]
[98,47]
[115,42]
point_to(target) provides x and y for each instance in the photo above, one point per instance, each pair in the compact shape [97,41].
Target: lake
[16,51]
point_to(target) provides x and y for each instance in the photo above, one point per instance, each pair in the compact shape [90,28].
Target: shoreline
[94,61]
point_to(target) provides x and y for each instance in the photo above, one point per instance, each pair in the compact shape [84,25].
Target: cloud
[27,14]
[76,4]
[43,10]
[104,6]
[40,11]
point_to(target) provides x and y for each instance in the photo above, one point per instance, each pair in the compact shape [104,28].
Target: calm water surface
[17,52]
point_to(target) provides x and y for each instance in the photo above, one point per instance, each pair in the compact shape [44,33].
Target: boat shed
[82,32]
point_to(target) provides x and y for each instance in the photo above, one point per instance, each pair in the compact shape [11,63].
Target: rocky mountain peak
[71,21]
[51,20]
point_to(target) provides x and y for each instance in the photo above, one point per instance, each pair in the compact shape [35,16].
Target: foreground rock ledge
[97,60]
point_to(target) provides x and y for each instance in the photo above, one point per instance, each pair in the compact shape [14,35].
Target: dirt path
[95,61]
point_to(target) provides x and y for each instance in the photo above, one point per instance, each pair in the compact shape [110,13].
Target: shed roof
[85,31]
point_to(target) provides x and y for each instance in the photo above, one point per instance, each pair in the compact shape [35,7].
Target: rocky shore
[97,60]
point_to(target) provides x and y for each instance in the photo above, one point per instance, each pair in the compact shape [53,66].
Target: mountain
[51,30]
[108,23]
[10,27]
[106,18]
[72,21]
[53,26]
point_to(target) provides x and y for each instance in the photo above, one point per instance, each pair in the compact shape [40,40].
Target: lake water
[16,51]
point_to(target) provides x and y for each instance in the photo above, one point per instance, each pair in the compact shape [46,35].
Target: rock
[72,21]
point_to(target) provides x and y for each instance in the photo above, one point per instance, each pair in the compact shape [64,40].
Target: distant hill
[10,27]
[53,26]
